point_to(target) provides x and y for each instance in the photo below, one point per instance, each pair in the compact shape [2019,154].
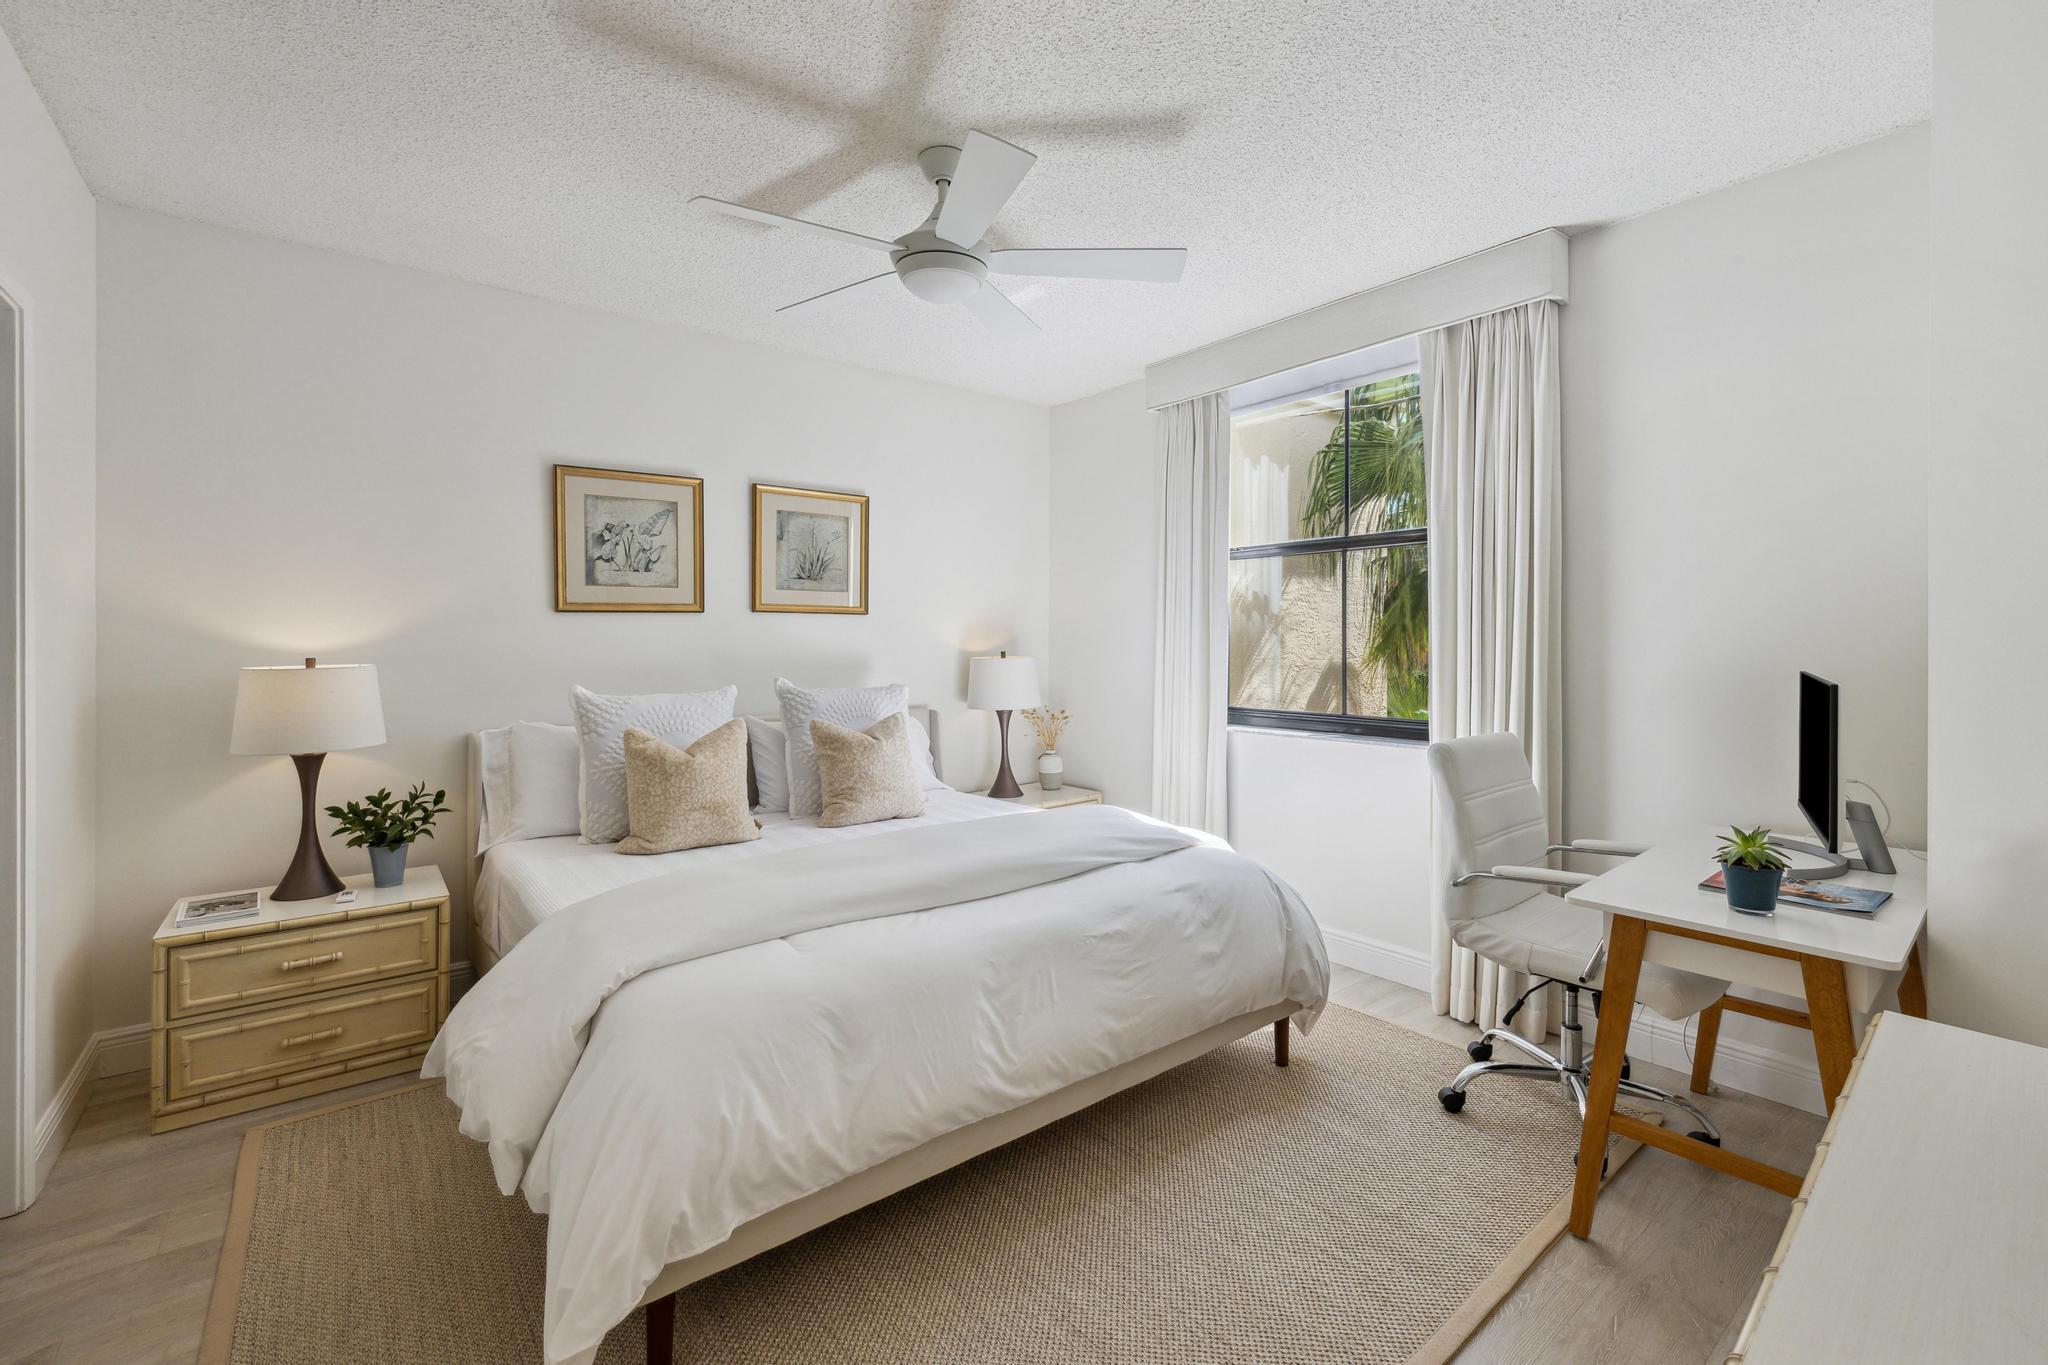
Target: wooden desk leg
[1625,936]
[1703,1049]
[1913,986]
[1834,1037]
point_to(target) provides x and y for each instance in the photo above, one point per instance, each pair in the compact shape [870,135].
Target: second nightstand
[1067,795]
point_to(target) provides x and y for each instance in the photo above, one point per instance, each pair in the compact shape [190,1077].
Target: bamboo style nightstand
[306,997]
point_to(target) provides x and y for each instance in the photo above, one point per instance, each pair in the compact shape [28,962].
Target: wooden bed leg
[661,1331]
[1279,1042]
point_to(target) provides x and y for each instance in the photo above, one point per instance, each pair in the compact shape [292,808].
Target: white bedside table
[1067,795]
[305,997]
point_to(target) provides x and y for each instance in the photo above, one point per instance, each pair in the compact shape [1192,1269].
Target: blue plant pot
[1752,890]
[387,865]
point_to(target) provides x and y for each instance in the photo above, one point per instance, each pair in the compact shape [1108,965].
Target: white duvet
[666,1061]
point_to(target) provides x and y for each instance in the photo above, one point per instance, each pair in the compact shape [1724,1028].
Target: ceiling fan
[944,259]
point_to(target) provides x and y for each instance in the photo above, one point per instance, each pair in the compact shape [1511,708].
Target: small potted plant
[1050,725]
[1751,870]
[387,826]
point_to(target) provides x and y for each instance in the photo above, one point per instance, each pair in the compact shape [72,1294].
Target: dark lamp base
[1005,787]
[309,877]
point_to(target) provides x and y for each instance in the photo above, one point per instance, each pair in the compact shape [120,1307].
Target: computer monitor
[1820,780]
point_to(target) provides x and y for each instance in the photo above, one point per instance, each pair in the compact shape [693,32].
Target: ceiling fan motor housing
[936,270]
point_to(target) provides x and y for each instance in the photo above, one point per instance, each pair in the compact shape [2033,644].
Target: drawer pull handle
[308,962]
[322,1036]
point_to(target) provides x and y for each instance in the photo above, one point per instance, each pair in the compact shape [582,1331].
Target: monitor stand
[1832,864]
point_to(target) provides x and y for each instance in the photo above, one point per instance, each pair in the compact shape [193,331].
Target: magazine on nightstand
[220,907]
[1843,900]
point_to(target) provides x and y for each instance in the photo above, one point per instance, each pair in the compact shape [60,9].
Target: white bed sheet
[524,882]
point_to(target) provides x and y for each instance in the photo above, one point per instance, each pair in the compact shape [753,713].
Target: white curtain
[1190,672]
[1490,412]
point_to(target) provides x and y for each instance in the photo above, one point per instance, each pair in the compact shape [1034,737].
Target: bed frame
[942,1153]
[900,1172]
[481,956]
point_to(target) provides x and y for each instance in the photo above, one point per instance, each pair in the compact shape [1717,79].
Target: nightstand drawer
[227,1053]
[260,968]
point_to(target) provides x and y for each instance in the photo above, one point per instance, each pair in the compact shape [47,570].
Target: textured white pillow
[530,773]
[680,719]
[768,750]
[852,708]
[928,779]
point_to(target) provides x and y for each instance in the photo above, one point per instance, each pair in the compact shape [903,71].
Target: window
[1329,588]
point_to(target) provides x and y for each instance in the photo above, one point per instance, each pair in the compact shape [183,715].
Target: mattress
[524,882]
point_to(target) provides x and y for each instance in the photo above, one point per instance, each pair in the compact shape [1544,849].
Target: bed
[688,1059]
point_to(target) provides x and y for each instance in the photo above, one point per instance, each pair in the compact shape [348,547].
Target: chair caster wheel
[1699,1135]
[1452,1100]
[1603,1164]
[1479,1050]
[1624,1068]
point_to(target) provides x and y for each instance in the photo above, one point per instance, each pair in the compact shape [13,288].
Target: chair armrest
[1612,848]
[1535,876]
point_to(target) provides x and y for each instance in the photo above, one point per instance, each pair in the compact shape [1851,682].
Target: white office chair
[1498,903]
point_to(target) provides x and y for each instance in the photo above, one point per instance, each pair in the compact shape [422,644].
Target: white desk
[1918,1234]
[1839,963]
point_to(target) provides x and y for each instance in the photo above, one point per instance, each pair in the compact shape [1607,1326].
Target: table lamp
[1003,685]
[308,713]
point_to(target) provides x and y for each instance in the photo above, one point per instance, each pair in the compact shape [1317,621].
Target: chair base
[1571,1070]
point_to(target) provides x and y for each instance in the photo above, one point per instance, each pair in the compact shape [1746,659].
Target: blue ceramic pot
[387,865]
[1751,890]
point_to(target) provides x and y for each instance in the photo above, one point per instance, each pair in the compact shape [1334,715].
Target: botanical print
[810,552]
[630,543]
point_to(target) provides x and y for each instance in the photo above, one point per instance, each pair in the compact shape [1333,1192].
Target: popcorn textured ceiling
[1300,151]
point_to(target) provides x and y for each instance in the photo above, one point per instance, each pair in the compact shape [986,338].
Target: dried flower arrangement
[1049,724]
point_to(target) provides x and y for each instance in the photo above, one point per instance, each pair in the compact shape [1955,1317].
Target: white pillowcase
[767,749]
[530,772]
[855,708]
[769,744]
[680,719]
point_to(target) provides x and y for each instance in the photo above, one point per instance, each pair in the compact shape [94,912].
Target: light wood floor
[114,1263]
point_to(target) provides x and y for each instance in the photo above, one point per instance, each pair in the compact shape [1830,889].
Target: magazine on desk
[1845,900]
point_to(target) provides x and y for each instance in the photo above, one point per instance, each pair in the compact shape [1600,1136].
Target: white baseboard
[66,1107]
[119,1051]
[1391,961]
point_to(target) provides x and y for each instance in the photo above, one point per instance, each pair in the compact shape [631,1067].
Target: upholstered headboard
[473,809]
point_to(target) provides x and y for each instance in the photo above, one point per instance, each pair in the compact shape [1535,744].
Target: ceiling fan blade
[778,220]
[1159,264]
[989,172]
[885,275]
[999,314]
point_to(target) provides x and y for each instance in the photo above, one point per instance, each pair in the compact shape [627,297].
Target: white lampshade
[1007,683]
[307,710]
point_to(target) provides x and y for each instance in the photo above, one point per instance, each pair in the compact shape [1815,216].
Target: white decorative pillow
[768,751]
[920,741]
[853,708]
[530,773]
[687,798]
[867,777]
[680,719]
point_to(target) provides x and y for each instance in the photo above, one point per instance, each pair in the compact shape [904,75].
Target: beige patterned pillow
[687,798]
[865,776]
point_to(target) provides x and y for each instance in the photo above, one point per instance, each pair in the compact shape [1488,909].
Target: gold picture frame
[639,540]
[814,558]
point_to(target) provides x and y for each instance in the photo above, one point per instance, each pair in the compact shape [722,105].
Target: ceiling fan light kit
[945,259]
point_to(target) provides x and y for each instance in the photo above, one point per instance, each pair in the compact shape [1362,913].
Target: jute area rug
[1228,1210]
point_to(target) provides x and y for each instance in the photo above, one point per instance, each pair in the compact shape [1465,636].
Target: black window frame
[1320,722]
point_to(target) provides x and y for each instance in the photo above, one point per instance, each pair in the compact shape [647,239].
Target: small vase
[1051,770]
[387,865]
[1753,891]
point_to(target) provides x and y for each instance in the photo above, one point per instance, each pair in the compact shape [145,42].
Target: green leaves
[1750,848]
[381,820]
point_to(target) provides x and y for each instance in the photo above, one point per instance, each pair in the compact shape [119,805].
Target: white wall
[1104,561]
[46,263]
[1986,486]
[308,453]
[1746,384]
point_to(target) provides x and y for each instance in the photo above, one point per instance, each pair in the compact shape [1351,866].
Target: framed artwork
[628,542]
[810,550]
